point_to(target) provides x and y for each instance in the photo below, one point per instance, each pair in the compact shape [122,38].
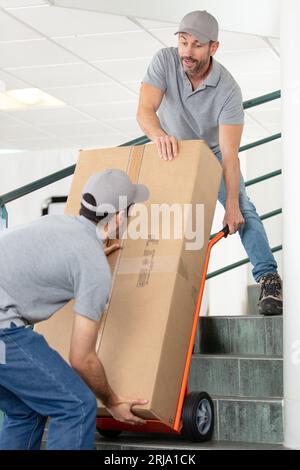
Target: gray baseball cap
[200,24]
[113,191]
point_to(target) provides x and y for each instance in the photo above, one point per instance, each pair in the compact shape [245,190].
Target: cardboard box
[146,330]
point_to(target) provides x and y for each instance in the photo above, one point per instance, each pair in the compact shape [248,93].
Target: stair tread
[258,357]
[250,399]
[156,441]
[247,317]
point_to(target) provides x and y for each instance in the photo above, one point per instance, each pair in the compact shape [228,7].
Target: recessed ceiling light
[9,151]
[28,98]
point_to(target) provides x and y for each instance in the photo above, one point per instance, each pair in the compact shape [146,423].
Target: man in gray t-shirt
[43,265]
[187,95]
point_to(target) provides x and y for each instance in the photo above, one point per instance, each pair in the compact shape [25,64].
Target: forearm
[93,373]
[231,171]
[149,123]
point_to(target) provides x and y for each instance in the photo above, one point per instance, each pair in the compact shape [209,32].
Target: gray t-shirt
[192,115]
[48,262]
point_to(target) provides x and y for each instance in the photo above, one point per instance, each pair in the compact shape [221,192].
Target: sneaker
[270,301]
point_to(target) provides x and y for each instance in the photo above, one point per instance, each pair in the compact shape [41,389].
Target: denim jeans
[252,233]
[36,383]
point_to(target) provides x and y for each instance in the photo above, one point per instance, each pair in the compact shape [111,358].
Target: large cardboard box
[145,332]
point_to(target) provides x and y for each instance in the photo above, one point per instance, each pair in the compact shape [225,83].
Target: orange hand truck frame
[194,416]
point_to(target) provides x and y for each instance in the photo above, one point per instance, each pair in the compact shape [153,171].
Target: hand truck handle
[222,234]
[225,230]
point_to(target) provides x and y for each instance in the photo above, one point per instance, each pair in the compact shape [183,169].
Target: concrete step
[248,420]
[249,334]
[238,361]
[152,442]
[237,375]
[253,296]
[238,422]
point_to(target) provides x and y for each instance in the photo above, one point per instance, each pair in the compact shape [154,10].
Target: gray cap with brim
[200,24]
[113,191]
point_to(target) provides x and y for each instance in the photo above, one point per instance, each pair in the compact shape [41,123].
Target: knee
[89,403]
[82,404]
[84,412]
[246,206]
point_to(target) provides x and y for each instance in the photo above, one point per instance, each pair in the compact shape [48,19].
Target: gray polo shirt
[192,115]
[48,262]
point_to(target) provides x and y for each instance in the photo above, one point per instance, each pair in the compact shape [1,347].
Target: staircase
[238,361]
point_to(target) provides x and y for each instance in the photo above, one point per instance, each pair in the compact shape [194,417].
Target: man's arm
[84,360]
[149,102]
[230,139]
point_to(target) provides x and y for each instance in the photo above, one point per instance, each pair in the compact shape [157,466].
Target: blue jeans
[252,233]
[36,383]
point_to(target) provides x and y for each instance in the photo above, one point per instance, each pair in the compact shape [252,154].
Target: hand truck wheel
[198,417]
[109,433]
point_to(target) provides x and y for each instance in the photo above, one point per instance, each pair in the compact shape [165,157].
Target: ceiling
[94,63]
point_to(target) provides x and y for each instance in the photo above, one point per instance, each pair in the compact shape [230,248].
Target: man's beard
[199,66]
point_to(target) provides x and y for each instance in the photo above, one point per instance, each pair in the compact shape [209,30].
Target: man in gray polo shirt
[43,265]
[186,95]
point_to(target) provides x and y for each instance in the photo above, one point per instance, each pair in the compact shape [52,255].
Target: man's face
[117,225]
[194,56]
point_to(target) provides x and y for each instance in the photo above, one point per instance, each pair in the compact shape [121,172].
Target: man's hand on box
[121,410]
[111,249]
[167,147]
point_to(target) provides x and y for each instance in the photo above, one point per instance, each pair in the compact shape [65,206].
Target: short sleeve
[92,284]
[91,302]
[232,111]
[156,73]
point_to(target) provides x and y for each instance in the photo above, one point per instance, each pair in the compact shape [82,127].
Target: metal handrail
[259,179]
[262,99]
[230,267]
[269,215]
[35,185]
[52,178]
[260,142]
[59,175]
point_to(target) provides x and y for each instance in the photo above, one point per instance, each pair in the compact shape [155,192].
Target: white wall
[19,169]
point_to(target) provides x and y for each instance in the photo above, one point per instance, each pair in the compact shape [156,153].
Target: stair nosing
[255,357]
[248,317]
[250,399]
[219,445]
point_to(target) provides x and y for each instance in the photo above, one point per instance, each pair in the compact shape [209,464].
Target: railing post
[3,217]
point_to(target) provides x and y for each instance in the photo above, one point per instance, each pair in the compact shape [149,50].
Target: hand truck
[194,417]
